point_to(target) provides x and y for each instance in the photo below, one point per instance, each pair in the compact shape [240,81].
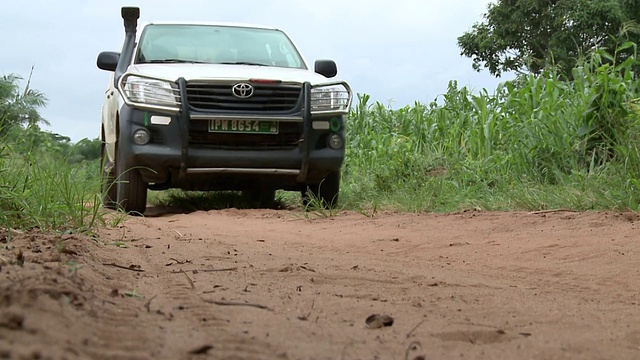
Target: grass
[316,207]
[42,191]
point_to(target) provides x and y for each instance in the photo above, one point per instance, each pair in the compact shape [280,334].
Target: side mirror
[108,60]
[326,68]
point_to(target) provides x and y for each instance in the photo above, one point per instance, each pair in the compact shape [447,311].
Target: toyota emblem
[242,90]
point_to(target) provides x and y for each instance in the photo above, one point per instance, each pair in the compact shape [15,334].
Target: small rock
[377,321]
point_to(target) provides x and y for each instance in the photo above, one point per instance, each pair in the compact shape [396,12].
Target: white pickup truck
[217,106]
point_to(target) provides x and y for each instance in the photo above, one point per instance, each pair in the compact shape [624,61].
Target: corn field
[536,143]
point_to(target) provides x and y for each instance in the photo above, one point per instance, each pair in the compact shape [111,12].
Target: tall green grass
[536,143]
[39,190]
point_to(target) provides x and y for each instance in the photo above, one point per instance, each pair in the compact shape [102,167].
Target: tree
[19,107]
[528,35]
[85,149]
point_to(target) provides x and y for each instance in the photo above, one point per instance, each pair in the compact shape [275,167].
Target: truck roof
[211,23]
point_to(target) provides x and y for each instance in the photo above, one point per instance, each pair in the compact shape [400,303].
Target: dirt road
[266,284]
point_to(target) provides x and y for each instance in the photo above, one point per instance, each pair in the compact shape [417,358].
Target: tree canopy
[19,106]
[528,35]
[20,121]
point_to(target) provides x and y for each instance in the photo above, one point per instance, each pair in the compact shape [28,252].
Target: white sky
[398,51]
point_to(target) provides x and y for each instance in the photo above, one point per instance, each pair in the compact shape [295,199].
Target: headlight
[330,98]
[143,91]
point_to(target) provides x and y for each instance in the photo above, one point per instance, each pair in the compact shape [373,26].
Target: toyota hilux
[218,106]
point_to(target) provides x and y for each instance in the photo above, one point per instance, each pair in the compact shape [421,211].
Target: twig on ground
[306,268]
[176,261]
[415,328]
[234,303]
[216,270]
[147,305]
[550,211]
[205,271]
[130,268]
[193,286]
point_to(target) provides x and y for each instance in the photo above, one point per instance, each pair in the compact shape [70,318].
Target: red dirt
[267,284]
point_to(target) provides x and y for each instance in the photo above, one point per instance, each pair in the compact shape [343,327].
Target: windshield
[217,45]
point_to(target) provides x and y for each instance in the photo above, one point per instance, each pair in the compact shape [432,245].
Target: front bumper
[173,159]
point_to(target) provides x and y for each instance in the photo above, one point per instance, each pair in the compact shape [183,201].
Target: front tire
[326,192]
[132,190]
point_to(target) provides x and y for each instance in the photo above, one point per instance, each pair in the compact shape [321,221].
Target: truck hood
[227,72]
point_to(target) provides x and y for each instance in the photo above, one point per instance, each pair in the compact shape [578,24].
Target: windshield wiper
[173,61]
[241,63]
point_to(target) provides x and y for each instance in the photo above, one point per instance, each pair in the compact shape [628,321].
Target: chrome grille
[266,97]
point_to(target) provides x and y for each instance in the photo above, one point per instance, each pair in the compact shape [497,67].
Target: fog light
[335,141]
[141,137]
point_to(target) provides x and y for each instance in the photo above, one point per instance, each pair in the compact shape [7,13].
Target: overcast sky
[398,51]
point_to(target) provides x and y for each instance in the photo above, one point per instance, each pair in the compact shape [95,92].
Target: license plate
[243,126]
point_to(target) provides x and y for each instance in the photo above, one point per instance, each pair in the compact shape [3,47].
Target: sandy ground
[267,284]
